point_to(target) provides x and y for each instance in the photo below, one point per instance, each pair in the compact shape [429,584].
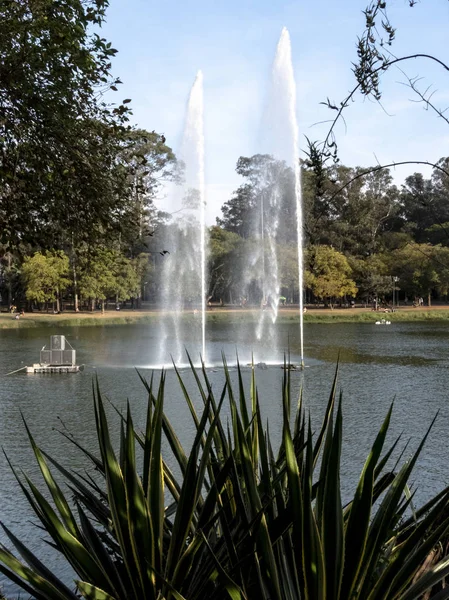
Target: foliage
[45,274]
[225,250]
[105,272]
[269,184]
[371,276]
[243,522]
[328,273]
[150,163]
[59,142]
[421,268]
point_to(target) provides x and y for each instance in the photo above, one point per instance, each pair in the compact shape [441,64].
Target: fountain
[183,277]
[183,287]
[279,140]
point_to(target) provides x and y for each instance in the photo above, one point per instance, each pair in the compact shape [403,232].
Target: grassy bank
[221,315]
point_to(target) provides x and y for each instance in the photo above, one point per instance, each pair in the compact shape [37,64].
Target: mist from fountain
[183,283]
[279,142]
[284,82]
[183,277]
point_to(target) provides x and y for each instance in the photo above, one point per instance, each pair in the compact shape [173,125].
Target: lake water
[405,361]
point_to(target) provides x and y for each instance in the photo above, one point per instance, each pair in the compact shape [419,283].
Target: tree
[328,274]
[150,162]
[420,209]
[225,253]
[97,280]
[105,272]
[127,279]
[371,276]
[59,142]
[288,271]
[269,191]
[46,276]
[374,59]
[422,269]
[11,285]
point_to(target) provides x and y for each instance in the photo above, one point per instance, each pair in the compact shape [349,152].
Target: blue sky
[163,44]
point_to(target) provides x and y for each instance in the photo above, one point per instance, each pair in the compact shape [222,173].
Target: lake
[407,362]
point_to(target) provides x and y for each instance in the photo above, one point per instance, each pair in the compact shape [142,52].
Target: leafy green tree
[106,273]
[46,276]
[422,269]
[97,279]
[328,274]
[59,141]
[11,285]
[150,163]
[371,276]
[269,189]
[419,211]
[127,280]
[288,271]
[225,255]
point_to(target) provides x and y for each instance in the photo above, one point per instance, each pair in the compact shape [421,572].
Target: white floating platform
[54,369]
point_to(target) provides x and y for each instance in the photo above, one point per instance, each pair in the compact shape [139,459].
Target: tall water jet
[192,153]
[183,277]
[280,141]
[284,80]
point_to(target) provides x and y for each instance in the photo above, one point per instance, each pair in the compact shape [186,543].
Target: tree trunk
[75,283]
[8,281]
[429,299]
[102,306]
[92,305]
[58,305]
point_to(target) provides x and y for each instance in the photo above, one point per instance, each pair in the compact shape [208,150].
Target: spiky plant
[243,521]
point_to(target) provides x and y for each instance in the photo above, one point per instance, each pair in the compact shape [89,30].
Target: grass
[221,315]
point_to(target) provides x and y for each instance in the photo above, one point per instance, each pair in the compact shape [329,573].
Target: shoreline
[223,315]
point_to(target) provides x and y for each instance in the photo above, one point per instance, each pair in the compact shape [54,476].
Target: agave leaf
[328,440]
[265,485]
[313,556]
[408,557]
[93,593]
[242,400]
[95,461]
[197,379]
[327,416]
[119,582]
[233,590]
[427,581]
[199,479]
[56,492]
[296,500]
[155,491]
[29,580]
[141,526]
[264,542]
[38,567]
[425,508]
[172,438]
[73,549]
[186,394]
[332,533]
[83,494]
[187,504]
[116,494]
[146,442]
[357,527]
[381,464]
[382,521]
[256,430]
